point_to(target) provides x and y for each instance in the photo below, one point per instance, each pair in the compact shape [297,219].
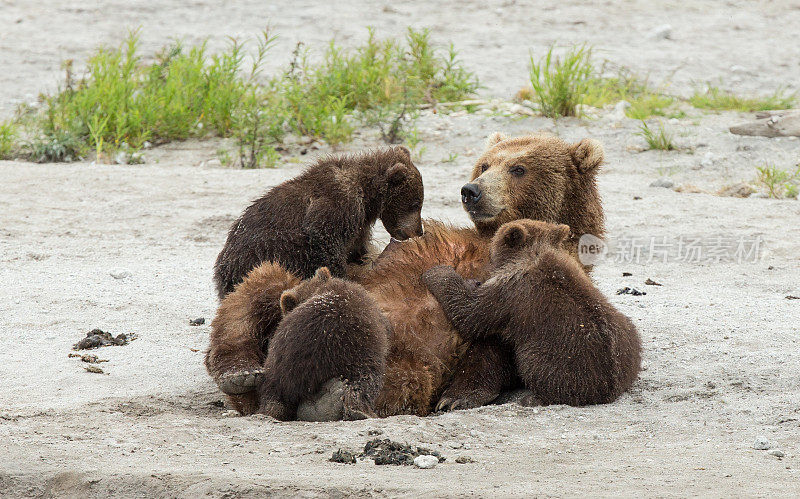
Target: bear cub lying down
[330,328]
[324,217]
[571,346]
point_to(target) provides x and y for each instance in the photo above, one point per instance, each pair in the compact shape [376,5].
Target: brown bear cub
[330,328]
[324,217]
[571,346]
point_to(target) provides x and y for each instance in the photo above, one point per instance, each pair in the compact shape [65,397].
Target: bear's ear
[405,151]
[494,139]
[587,155]
[289,301]
[559,234]
[513,235]
[396,174]
[323,274]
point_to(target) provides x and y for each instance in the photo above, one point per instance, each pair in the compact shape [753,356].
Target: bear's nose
[470,193]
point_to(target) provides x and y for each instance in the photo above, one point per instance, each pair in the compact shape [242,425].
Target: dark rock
[343,456]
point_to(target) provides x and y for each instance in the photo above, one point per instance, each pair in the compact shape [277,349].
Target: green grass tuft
[8,135]
[716,99]
[122,102]
[778,182]
[560,83]
[645,101]
[380,81]
[660,139]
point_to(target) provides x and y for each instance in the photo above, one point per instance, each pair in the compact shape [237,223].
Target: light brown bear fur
[428,361]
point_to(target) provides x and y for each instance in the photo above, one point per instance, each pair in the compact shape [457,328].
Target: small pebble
[230,413]
[663,182]
[119,273]
[197,322]
[618,113]
[426,462]
[762,443]
[776,452]
[464,460]
[663,32]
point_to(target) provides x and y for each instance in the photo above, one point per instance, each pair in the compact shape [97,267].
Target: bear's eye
[518,171]
[484,167]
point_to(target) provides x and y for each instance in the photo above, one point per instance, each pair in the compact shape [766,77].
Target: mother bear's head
[539,177]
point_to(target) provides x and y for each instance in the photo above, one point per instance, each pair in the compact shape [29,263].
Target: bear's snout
[470,194]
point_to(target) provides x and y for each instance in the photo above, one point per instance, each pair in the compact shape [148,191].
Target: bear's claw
[520,396]
[238,382]
[450,404]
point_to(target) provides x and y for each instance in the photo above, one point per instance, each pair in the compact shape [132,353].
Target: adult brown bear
[429,366]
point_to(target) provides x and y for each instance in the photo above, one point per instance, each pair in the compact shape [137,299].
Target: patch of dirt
[97,338]
[384,451]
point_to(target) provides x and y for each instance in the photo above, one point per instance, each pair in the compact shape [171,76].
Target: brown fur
[324,216]
[428,361]
[240,333]
[330,328]
[557,185]
[571,346]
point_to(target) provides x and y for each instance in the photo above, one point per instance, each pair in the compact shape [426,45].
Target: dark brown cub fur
[571,346]
[330,328]
[240,333]
[323,218]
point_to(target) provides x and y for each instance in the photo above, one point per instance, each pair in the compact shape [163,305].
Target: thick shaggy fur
[428,361]
[330,328]
[571,346]
[240,333]
[324,217]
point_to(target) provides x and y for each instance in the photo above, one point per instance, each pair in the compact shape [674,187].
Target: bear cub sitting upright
[324,217]
[571,346]
[330,328]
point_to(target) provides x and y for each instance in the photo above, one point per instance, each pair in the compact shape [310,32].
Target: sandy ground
[721,340]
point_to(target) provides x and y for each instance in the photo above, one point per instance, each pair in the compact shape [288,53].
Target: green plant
[717,99]
[645,101]
[451,158]
[8,135]
[121,100]
[381,82]
[55,146]
[560,83]
[412,138]
[660,139]
[778,182]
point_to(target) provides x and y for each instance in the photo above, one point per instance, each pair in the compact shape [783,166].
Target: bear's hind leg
[271,403]
[480,376]
[359,396]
